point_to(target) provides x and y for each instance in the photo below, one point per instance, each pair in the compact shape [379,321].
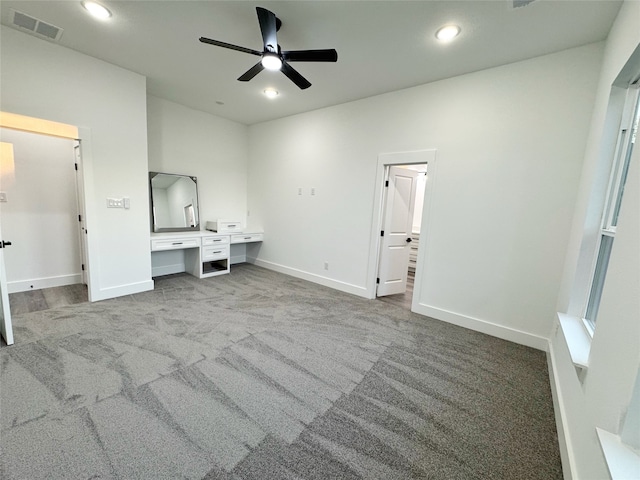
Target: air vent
[37,27]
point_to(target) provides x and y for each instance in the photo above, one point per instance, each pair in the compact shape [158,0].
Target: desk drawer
[215,253]
[247,237]
[223,240]
[174,244]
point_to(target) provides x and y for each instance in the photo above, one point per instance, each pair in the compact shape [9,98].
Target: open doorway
[408,229]
[42,215]
[403,199]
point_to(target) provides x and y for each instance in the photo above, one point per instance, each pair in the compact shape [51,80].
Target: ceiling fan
[273,58]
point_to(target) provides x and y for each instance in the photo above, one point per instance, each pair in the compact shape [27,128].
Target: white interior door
[6,328]
[396,234]
[81,213]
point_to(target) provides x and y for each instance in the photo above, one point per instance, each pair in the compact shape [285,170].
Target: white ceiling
[382,45]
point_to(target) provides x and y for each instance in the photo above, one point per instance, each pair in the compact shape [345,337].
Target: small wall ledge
[622,461]
[577,338]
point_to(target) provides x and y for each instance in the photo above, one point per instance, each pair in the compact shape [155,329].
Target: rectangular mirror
[174,202]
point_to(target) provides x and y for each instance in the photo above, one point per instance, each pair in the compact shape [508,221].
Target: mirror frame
[152,217]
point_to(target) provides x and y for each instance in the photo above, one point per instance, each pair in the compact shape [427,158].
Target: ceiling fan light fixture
[271,62]
[96,10]
[446,33]
[271,92]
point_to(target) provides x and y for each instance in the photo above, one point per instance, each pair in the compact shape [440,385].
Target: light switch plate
[115,202]
[3,197]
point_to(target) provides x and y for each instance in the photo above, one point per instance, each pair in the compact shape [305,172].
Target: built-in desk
[201,254]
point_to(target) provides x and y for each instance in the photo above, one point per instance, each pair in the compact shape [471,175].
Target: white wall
[215,150]
[43,80]
[40,217]
[195,143]
[603,398]
[509,142]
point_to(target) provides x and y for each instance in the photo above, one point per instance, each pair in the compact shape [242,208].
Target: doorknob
[409,240]
[4,244]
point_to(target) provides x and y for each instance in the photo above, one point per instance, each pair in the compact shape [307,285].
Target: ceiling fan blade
[252,72]
[230,46]
[294,76]
[267,22]
[329,55]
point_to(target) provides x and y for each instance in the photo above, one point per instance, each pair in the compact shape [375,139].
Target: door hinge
[382,233]
[75,166]
[79,218]
[83,267]
[377,281]
[386,183]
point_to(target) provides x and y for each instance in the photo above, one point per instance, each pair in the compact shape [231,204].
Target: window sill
[622,461]
[577,338]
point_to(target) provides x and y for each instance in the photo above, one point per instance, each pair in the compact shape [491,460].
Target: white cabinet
[246,237]
[214,254]
[413,252]
[215,240]
[201,254]
[174,243]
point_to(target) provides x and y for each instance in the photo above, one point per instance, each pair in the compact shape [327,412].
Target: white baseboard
[482,326]
[167,269]
[38,283]
[121,290]
[311,277]
[564,442]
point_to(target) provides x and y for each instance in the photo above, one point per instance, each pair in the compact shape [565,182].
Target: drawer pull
[247,238]
[219,251]
[176,243]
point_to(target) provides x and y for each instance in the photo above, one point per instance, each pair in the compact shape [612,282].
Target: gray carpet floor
[257,375]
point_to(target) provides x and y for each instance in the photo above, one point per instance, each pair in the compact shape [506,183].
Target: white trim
[567,456]
[121,290]
[311,277]
[47,282]
[92,253]
[483,326]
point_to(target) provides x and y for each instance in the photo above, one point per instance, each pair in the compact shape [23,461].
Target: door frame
[384,161]
[83,136]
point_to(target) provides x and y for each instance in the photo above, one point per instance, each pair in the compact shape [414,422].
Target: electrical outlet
[3,197]
[326,265]
[300,191]
[313,190]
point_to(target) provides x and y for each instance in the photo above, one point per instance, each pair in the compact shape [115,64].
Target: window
[619,170]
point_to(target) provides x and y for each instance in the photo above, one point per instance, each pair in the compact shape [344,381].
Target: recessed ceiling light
[271,62]
[96,10]
[448,33]
[271,92]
